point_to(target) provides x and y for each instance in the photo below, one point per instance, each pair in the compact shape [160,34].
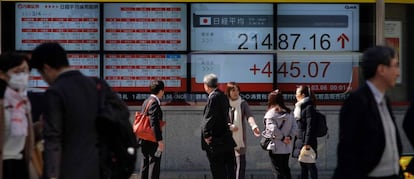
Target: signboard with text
[88,64]
[253,72]
[317,27]
[133,72]
[74,25]
[324,73]
[247,27]
[145,26]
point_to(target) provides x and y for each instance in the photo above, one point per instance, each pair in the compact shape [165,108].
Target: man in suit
[369,144]
[151,162]
[216,136]
[70,134]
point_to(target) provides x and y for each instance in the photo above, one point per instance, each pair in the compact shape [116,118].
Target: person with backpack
[280,127]
[240,114]
[70,133]
[305,143]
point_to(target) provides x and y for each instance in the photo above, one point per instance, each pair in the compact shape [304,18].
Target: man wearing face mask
[16,132]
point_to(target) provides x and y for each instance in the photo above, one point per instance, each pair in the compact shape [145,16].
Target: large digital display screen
[331,73]
[88,64]
[253,72]
[145,26]
[133,72]
[247,27]
[74,25]
[317,27]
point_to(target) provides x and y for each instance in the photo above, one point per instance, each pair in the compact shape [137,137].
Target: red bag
[142,125]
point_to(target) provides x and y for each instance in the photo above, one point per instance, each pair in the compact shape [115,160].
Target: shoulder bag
[142,124]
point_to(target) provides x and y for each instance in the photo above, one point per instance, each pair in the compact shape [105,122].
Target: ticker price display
[253,72]
[145,26]
[232,27]
[317,27]
[134,72]
[88,64]
[74,25]
[322,72]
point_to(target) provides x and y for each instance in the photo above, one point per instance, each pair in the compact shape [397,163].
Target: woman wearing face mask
[16,132]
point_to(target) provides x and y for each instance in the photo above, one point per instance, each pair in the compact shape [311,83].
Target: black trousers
[15,169]
[222,163]
[280,164]
[150,165]
[307,168]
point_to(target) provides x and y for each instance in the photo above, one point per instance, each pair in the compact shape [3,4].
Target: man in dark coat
[151,163]
[69,119]
[216,137]
[369,144]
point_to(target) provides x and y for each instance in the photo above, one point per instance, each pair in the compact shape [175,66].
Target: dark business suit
[361,135]
[150,166]
[220,152]
[69,128]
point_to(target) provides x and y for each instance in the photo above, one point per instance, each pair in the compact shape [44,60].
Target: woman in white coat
[280,126]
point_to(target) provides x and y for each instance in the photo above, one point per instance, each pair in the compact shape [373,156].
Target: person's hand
[208,140]
[287,140]
[161,145]
[233,127]
[256,132]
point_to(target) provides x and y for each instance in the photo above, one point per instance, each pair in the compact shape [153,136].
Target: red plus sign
[254,69]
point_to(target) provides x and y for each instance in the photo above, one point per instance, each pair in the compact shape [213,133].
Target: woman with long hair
[280,126]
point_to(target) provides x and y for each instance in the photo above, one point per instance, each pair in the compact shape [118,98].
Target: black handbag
[264,141]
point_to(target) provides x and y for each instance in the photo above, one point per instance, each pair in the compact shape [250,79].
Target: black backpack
[117,141]
[322,127]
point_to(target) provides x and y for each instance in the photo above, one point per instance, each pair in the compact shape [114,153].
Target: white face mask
[19,81]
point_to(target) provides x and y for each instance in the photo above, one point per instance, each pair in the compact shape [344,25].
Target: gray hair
[210,80]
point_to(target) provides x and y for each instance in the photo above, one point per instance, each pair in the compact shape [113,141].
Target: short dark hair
[50,53]
[156,86]
[9,60]
[375,56]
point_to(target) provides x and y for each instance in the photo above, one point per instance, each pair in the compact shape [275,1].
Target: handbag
[142,125]
[265,141]
[307,156]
